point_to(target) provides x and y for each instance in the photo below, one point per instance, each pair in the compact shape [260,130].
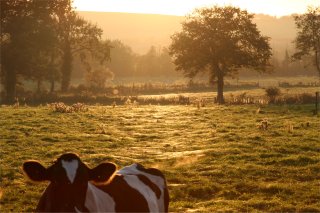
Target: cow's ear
[102,172]
[35,171]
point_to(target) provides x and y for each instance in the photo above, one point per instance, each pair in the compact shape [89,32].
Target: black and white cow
[76,188]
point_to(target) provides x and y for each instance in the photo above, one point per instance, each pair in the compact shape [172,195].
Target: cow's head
[68,178]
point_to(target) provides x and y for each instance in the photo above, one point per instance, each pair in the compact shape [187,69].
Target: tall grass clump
[63,108]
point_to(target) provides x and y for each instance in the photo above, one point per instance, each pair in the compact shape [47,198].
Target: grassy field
[216,158]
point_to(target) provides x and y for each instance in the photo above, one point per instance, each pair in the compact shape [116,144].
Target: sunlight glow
[183,7]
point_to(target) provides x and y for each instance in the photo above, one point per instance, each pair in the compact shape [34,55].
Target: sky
[182,7]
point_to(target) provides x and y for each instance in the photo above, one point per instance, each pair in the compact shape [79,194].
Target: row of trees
[127,64]
[218,41]
[289,67]
[40,39]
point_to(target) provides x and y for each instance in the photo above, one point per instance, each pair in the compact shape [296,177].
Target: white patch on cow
[151,198]
[98,201]
[71,168]
[155,205]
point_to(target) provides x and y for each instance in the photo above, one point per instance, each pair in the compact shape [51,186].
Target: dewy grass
[216,158]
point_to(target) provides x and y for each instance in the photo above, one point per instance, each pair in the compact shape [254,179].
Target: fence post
[317,103]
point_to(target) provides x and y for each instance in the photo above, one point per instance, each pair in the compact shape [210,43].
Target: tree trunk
[220,76]
[39,83]
[10,85]
[317,62]
[52,86]
[66,68]
[52,73]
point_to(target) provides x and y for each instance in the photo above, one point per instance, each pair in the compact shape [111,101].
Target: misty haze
[214,111]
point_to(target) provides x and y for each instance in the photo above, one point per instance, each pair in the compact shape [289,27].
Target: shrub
[183,100]
[81,88]
[272,93]
[306,98]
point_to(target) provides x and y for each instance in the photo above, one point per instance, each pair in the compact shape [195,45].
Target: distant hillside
[282,32]
[140,31]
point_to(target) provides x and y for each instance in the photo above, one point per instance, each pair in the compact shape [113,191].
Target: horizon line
[161,14]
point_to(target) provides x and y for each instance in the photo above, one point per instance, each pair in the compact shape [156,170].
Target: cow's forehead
[70,163]
[71,168]
[69,157]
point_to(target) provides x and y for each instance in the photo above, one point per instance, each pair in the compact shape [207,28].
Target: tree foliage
[308,38]
[77,37]
[155,63]
[27,37]
[123,60]
[125,64]
[39,40]
[220,40]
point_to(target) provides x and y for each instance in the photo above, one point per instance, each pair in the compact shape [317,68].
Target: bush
[272,93]
[78,89]
[306,98]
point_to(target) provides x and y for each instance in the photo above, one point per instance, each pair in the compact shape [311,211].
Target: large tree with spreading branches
[78,38]
[221,41]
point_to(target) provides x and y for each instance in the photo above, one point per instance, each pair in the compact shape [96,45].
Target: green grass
[215,158]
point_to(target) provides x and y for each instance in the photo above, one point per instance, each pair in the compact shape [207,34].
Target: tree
[286,62]
[77,37]
[147,65]
[156,63]
[40,38]
[12,37]
[220,40]
[166,67]
[123,60]
[26,36]
[308,38]
[44,62]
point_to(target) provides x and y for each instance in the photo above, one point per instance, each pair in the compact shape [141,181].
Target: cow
[74,187]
